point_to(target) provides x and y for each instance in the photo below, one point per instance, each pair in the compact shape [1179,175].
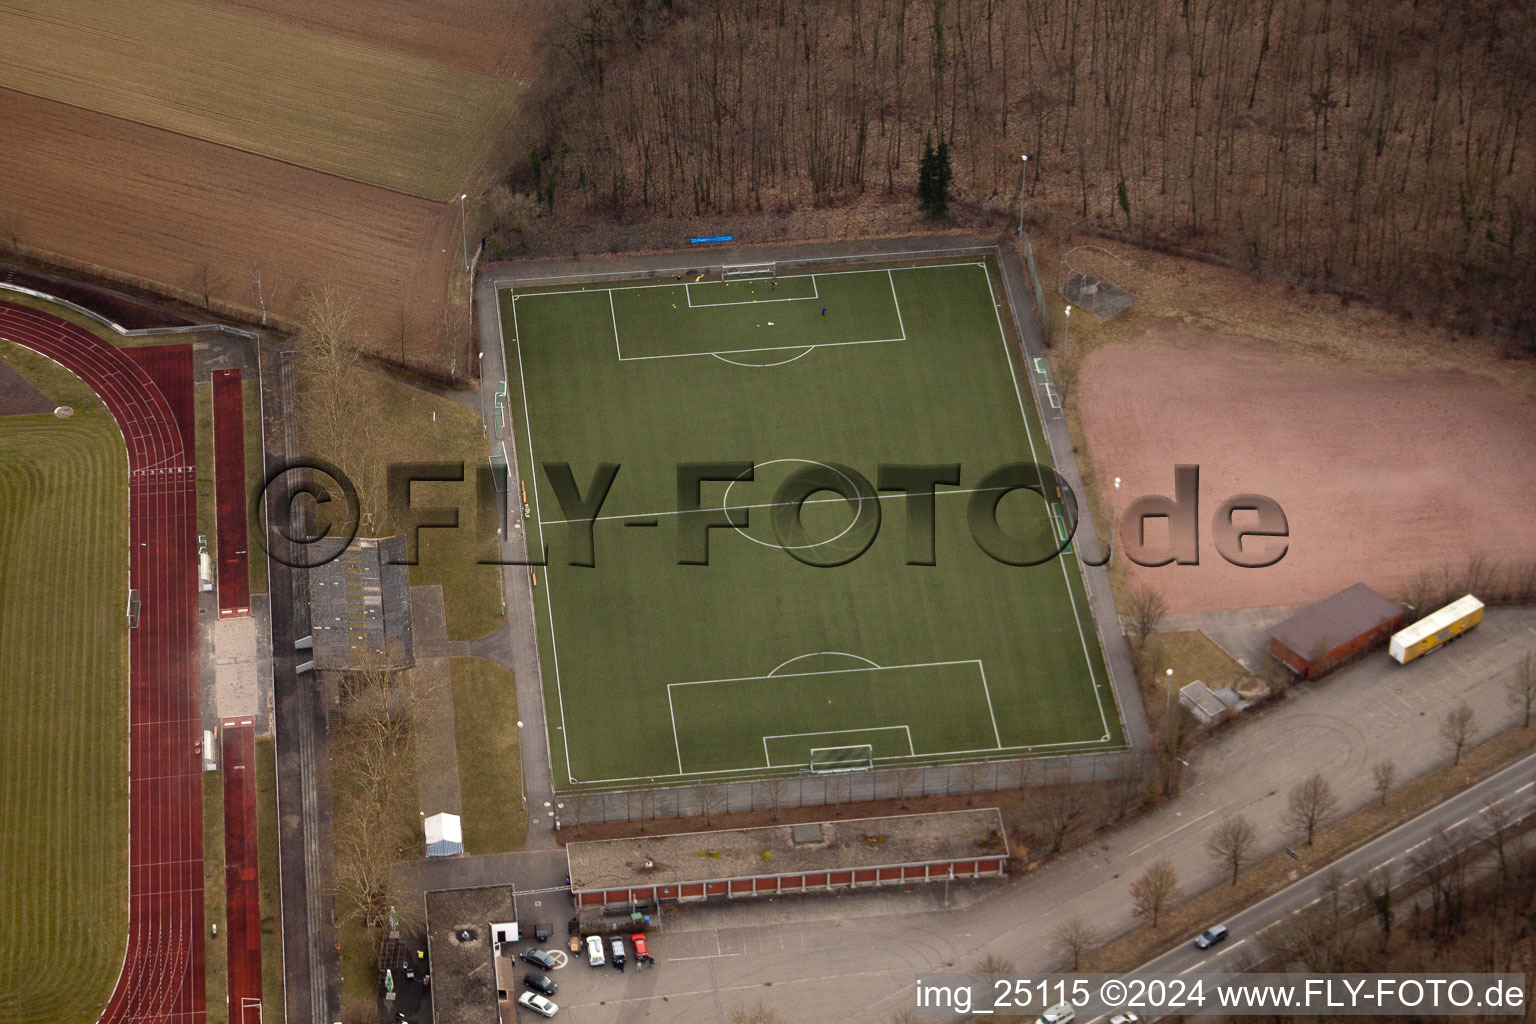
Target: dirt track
[1382,473]
[159,206]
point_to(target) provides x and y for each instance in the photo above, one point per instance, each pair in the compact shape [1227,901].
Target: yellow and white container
[1434,630]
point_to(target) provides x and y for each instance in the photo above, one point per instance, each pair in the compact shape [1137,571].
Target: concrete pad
[236,667]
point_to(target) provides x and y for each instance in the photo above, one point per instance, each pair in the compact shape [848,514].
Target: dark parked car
[1212,935]
[539,959]
[540,983]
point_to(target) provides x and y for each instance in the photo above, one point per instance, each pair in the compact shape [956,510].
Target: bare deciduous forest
[1380,145]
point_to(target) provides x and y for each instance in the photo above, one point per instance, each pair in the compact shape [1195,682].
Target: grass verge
[253,481]
[207,498]
[490,768]
[408,431]
[215,897]
[269,880]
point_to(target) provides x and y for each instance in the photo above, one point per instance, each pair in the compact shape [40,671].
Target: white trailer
[1436,629]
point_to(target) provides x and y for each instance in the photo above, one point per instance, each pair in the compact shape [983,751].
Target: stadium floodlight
[463,230]
[1023,184]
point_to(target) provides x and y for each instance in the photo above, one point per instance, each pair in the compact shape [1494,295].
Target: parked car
[594,951]
[1124,1018]
[538,1004]
[540,959]
[1061,1013]
[1212,935]
[616,951]
[642,952]
[543,984]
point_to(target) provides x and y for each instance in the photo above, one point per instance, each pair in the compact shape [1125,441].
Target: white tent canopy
[445,836]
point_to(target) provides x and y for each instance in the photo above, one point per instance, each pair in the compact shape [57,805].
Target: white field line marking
[897,303]
[614,317]
[891,495]
[554,646]
[986,693]
[831,732]
[765,366]
[673,284]
[817,654]
[815,293]
[763,348]
[936,758]
[953,254]
[1181,828]
[676,745]
[828,672]
[1034,457]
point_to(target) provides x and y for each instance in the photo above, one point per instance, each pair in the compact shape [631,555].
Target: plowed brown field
[488,36]
[160,206]
[1383,472]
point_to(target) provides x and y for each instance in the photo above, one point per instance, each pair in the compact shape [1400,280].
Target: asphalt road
[1462,814]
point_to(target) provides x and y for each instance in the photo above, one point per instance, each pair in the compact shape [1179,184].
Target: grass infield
[64,673]
[656,670]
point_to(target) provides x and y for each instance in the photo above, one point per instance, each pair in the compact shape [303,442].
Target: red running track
[229,486]
[242,887]
[162,973]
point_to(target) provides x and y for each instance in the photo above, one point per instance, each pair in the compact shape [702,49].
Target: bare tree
[205,282]
[1457,729]
[1498,830]
[909,781]
[1058,814]
[258,287]
[992,964]
[1321,939]
[1383,775]
[1376,886]
[1155,891]
[1148,606]
[970,780]
[1073,939]
[1232,844]
[1520,689]
[13,232]
[1127,790]
[712,795]
[757,1013]
[1311,802]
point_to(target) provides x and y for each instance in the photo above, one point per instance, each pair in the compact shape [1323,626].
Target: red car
[641,953]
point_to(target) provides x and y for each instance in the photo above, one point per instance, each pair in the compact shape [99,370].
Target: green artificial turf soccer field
[64,681]
[659,670]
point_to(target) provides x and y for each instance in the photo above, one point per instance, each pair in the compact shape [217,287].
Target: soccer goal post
[843,759]
[732,271]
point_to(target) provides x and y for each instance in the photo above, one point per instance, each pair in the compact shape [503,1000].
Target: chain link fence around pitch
[835,788]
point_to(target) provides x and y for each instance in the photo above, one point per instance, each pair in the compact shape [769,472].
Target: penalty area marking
[803,350]
[980,669]
[768,757]
[815,292]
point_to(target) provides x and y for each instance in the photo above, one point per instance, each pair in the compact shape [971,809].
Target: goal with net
[842,759]
[733,271]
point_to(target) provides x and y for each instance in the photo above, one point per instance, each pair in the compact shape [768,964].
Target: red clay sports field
[162,974]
